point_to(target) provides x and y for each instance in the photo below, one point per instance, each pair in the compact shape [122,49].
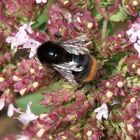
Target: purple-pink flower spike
[108,107]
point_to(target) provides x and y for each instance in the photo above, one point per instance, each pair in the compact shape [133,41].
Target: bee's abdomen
[88,73]
[91,73]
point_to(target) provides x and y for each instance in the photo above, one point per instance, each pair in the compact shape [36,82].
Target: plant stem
[104,29]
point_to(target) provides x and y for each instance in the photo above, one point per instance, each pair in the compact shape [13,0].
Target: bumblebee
[70,58]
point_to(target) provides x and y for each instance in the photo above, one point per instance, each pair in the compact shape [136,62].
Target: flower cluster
[107,9]
[70,106]
[131,6]
[115,44]
[131,116]
[133,65]
[14,12]
[27,77]
[133,34]
[5,58]
[69,21]
[116,86]
[24,39]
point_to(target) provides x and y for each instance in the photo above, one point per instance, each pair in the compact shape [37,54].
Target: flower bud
[130,128]
[40,132]
[90,25]
[133,66]
[120,84]
[32,71]
[135,3]
[22,92]
[138,71]
[35,84]
[2,79]
[15,78]
[89,133]
[133,99]
[109,94]
[79,20]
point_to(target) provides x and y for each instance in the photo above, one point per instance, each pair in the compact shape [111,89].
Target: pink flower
[134,36]
[102,112]
[19,39]
[22,40]
[28,116]
[137,47]
[134,32]
[39,1]
[22,137]
[137,115]
[31,44]
[11,110]
[2,103]
[24,117]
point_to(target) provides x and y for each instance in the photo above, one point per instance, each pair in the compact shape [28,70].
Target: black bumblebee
[70,58]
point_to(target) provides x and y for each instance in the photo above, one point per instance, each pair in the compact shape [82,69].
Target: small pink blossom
[134,32]
[28,116]
[102,112]
[137,115]
[2,103]
[22,137]
[41,1]
[134,36]
[33,45]
[27,27]
[11,110]
[137,47]
[19,39]
[22,40]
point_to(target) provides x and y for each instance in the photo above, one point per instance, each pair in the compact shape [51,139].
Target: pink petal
[44,1]
[133,38]
[10,111]
[137,116]
[9,39]
[22,137]
[38,1]
[137,47]
[99,116]
[2,103]
[28,116]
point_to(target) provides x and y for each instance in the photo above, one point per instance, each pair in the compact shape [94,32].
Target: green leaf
[113,61]
[53,87]
[93,11]
[128,138]
[42,18]
[119,16]
[41,21]
[98,17]
[106,4]
[110,29]
[95,14]
[35,107]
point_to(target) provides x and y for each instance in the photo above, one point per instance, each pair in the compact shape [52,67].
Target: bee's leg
[53,74]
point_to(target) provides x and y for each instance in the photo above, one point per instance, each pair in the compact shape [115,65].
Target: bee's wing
[76,45]
[66,69]
[66,73]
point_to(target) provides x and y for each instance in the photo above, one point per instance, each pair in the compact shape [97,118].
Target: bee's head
[50,53]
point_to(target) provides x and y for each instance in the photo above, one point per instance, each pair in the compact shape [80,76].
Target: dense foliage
[106,109]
